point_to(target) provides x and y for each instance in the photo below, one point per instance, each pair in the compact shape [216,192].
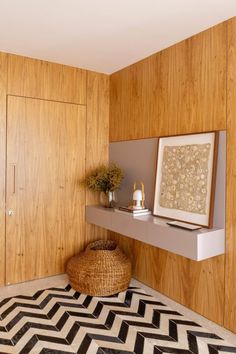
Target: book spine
[138,211]
[132,214]
[143,214]
[126,210]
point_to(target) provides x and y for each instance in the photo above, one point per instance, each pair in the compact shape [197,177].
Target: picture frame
[185,178]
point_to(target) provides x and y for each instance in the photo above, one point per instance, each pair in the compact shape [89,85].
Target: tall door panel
[45,203]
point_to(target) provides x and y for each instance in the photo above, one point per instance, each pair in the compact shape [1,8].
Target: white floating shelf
[197,245]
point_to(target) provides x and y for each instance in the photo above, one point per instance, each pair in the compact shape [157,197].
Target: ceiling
[103,35]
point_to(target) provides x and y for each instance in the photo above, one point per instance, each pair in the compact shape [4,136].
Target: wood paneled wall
[183,89]
[41,79]
[45,160]
[178,90]
[3,92]
[32,78]
[230,264]
[97,137]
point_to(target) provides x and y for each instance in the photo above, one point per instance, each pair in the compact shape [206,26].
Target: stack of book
[133,212]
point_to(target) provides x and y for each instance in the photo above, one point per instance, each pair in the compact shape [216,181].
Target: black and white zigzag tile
[61,320]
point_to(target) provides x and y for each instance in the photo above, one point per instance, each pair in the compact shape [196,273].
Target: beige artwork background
[184,178]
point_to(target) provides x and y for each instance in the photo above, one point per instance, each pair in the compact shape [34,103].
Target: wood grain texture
[208,60]
[40,79]
[206,288]
[45,161]
[135,96]
[174,88]
[3,88]
[97,142]
[230,264]
[179,90]
[197,285]
[157,268]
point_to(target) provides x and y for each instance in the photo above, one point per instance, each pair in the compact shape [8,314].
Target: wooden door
[45,219]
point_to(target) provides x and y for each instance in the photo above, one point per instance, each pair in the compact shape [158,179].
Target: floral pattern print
[184,178]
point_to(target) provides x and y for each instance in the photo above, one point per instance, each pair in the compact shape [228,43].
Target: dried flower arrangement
[104,178]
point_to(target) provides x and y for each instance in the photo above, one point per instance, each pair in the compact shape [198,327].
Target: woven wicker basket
[101,270]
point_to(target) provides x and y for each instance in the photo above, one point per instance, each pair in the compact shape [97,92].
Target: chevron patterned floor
[60,320]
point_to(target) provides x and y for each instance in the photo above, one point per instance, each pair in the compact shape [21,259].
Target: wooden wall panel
[174,88]
[3,88]
[230,265]
[162,270]
[135,96]
[21,76]
[206,288]
[179,90]
[207,80]
[97,137]
[197,285]
[45,161]
[40,79]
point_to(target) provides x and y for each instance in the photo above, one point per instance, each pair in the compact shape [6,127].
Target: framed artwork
[185,178]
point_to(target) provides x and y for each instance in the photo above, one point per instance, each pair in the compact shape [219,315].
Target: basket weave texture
[101,270]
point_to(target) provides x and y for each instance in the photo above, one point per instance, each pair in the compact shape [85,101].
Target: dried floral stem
[104,178]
